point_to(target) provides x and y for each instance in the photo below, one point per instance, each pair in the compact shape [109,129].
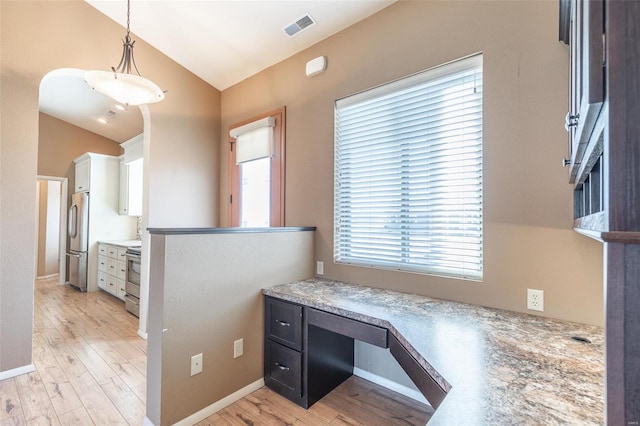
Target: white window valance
[254,140]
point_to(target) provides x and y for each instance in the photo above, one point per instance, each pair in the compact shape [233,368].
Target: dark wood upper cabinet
[604,162]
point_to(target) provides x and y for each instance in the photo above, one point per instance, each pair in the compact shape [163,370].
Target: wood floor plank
[9,400]
[129,405]
[135,380]
[94,399]
[61,393]
[78,417]
[14,421]
[94,363]
[36,405]
[213,420]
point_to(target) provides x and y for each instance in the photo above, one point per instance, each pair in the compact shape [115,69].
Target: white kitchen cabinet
[131,177]
[130,188]
[83,173]
[112,269]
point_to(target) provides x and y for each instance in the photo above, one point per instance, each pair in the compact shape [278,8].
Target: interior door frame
[62,244]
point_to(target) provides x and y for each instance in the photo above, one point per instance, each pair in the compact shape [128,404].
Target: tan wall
[40,36]
[528,241]
[219,303]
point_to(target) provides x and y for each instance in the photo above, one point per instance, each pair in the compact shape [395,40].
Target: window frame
[401,262]
[277,196]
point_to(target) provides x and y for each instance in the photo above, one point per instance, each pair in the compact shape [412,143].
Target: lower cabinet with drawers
[309,352]
[112,269]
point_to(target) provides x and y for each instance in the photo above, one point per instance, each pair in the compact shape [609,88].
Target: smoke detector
[302,23]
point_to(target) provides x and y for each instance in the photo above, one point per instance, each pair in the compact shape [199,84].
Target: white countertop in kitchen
[123,243]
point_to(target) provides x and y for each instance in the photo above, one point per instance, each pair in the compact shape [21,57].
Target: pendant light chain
[128,16]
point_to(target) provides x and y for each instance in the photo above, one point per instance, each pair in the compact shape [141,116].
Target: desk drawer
[348,327]
[284,365]
[283,323]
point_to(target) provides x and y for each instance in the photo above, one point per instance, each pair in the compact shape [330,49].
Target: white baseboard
[17,371]
[142,334]
[218,405]
[389,384]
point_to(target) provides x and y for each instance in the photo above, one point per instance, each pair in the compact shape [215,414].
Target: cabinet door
[112,286]
[587,88]
[135,188]
[82,175]
[102,264]
[123,202]
[284,365]
[121,291]
[283,323]
[121,273]
[131,188]
[112,252]
[122,254]
[102,280]
[112,267]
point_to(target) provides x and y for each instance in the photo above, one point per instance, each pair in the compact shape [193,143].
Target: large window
[408,173]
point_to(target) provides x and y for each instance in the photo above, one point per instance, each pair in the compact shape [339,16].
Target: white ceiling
[221,41]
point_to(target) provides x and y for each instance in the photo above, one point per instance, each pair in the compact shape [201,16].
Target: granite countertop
[499,367]
[123,243]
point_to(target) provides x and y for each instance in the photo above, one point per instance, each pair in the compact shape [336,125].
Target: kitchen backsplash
[139,228]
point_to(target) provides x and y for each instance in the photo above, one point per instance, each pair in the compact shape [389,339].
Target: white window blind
[255,140]
[408,173]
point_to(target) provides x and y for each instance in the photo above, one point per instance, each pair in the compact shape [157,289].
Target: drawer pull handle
[283,323]
[282,367]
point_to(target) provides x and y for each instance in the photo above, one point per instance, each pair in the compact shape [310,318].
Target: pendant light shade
[121,84]
[128,89]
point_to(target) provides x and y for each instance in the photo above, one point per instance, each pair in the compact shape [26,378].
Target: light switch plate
[238,348]
[319,267]
[196,364]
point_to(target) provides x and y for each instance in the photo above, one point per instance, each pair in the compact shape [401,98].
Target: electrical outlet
[535,300]
[238,348]
[196,364]
[319,268]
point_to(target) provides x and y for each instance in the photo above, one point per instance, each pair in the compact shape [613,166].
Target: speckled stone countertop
[499,367]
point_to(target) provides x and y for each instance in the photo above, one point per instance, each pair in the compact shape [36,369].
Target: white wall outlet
[319,267]
[535,300]
[196,364]
[238,348]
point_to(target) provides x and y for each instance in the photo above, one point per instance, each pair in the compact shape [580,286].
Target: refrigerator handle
[73,221]
[73,255]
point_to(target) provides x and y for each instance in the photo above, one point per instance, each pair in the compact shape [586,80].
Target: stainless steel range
[132,286]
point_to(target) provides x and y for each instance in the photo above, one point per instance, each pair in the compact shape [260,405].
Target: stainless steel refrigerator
[78,230]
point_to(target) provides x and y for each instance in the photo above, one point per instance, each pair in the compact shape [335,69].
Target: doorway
[51,238]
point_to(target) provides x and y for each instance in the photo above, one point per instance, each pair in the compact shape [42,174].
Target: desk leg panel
[329,361]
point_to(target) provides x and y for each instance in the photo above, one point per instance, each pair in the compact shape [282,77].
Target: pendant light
[120,83]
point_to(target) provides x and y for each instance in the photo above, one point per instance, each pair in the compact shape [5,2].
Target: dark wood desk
[475,365]
[309,352]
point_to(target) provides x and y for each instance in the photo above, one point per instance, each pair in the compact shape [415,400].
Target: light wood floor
[91,369]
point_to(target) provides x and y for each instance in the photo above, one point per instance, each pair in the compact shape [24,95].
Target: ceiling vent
[300,24]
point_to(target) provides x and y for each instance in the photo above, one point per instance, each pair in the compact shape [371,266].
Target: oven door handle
[132,299]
